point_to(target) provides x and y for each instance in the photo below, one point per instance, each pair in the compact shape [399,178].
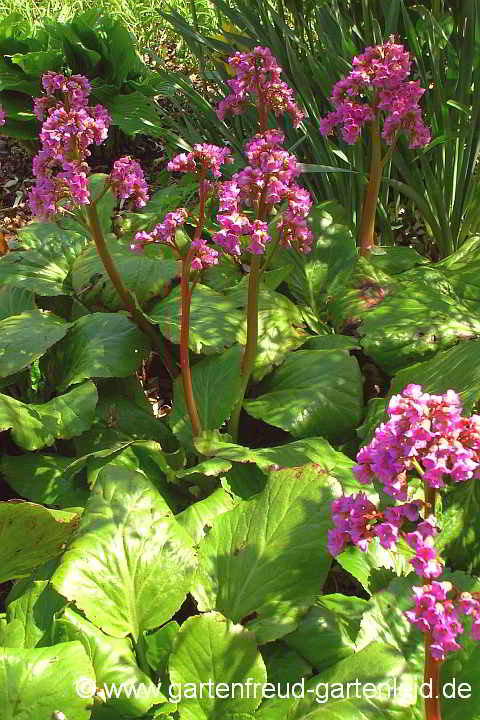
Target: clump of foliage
[153,553]
[95,44]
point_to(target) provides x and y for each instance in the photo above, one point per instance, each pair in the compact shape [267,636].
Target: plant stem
[251,345]
[186,298]
[366,235]
[432,667]
[125,295]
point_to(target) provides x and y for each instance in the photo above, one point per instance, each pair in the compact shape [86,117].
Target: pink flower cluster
[203,157]
[425,431]
[269,179]
[127,180]
[357,521]
[70,127]
[2,116]
[164,234]
[377,85]
[258,77]
[435,613]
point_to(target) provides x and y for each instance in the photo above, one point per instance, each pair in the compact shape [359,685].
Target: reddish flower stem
[366,235]
[432,667]
[186,298]
[250,352]
[126,296]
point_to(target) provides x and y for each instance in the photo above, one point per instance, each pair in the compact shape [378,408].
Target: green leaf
[144,276]
[329,264]
[341,691]
[460,524]
[42,268]
[414,323]
[12,634]
[328,631]
[284,665]
[37,63]
[280,326]
[35,426]
[37,683]
[214,319]
[26,337]
[30,535]
[209,648]
[41,479]
[395,260]
[270,549]
[363,565]
[314,392]
[114,662]
[123,414]
[33,602]
[159,645]
[294,454]
[457,368]
[99,345]
[198,518]
[134,113]
[221,371]
[130,564]
[15,301]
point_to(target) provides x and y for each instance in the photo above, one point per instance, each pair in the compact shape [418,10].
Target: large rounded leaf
[209,649]
[44,267]
[130,564]
[415,322]
[371,684]
[30,535]
[314,392]
[15,300]
[34,426]
[114,662]
[36,684]
[457,368]
[33,602]
[144,276]
[216,385]
[214,319]
[26,337]
[280,327]
[269,550]
[42,479]
[100,345]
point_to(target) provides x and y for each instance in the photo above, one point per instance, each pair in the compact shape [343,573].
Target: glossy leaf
[35,426]
[26,337]
[130,564]
[211,648]
[314,392]
[36,683]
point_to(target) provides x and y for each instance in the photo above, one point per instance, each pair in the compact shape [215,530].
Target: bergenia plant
[264,190]
[2,116]
[70,127]
[426,437]
[377,94]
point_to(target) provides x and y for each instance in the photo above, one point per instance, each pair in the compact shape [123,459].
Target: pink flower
[436,614]
[70,127]
[127,180]
[378,86]
[423,429]
[2,116]
[257,78]
[203,157]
